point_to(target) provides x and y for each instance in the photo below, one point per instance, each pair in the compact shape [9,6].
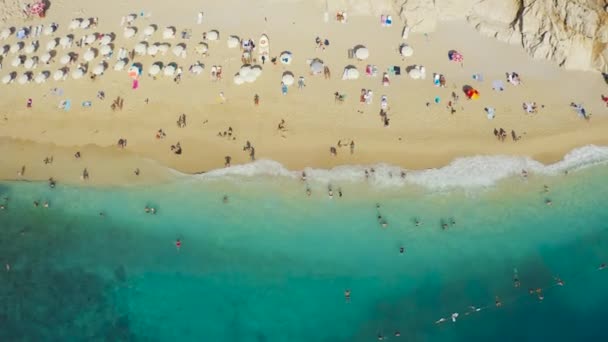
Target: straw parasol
[31,62]
[77,74]
[89,55]
[59,75]
[99,69]
[74,24]
[120,65]
[406,50]
[361,53]
[154,69]
[129,32]
[287,78]
[51,45]
[213,35]
[41,77]
[233,42]
[169,32]
[23,79]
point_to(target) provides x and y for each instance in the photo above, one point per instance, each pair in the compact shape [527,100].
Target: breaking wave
[469,172]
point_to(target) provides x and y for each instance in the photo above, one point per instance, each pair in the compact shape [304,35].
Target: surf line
[498,303]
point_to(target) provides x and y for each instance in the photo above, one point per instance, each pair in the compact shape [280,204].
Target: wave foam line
[477,171]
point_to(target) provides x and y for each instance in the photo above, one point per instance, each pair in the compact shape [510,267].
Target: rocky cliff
[572,33]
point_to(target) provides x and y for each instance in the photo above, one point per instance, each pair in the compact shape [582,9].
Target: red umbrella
[37,8]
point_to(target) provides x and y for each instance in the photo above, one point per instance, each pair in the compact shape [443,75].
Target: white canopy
[197,69]
[99,69]
[74,24]
[16,61]
[406,50]
[31,48]
[49,30]
[120,65]
[6,79]
[5,33]
[129,32]
[362,53]
[46,57]
[250,77]
[51,45]
[90,38]
[59,75]
[105,50]
[152,50]
[65,59]
[140,48]
[316,66]
[89,55]
[106,39]
[77,74]
[233,42]
[415,73]
[179,51]
[287,78]
[286,57]
[256,70]
[41,77]
[169,32]
[85,24]
[238,80]
[154,69]
[169,70]
[202,48]
[163,48]
[245,70]
[350,73]
[23,79]
[149,30]
[65,42]
[31,62]
[16,47]
[213,35]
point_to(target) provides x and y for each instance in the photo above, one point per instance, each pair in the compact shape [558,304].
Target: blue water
[272,264]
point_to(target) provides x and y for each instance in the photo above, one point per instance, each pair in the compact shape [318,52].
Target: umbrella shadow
[288,73]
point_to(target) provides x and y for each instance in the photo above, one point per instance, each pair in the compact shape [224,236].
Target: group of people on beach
[501,135]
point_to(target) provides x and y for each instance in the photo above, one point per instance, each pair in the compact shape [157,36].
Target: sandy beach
[419,136]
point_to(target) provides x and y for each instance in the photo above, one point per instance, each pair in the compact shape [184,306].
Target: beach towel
[498,85]
[135,84]
[87,104]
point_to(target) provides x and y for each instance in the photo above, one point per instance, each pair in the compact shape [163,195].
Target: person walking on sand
[301,83]
[256,99]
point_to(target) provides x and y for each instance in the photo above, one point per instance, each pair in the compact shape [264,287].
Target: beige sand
[418,137]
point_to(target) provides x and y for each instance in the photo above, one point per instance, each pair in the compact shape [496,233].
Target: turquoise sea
[273,264]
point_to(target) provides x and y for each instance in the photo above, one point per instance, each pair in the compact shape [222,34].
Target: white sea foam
[469,172]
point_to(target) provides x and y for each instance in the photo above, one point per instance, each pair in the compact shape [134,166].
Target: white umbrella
[65,42]
[6,79]
[89,55]
[74,24]
[250,77]
[362,53]
[154,69]
[256,70]
[23,79]
[105,50]
[16,47]
[99,69]
[169,33]
[16,61]
[45,58]
[90,39]
[238,80]
[351,73]
[41,77]
[148,31]
[163,48]
[85,24]
[169,70]
[179,51]
[59,75]
[152,50]
[129,32]
[140,48]
[120,65]
[31,62]
[233,42]
[31,48]
[244,71]
[415,73]
[406,51]
[213,35]
[197,69]
[65,59]
[77,74]
[49,30]
[202,48]
[286,57]
[5,33]
[287,79]
[131,18]
[106,39]
[316,67]
[51,45]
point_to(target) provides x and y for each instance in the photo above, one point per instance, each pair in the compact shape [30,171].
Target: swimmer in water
[401,250]
[397,333]
[441,320]
[46,204]
[178,244]
[497,302]
[417,222]
[102,214]
[153,210]
[515,279]
[602,266]
[347,295]
[147,209]
[308,192]
[380,337]
[545,188]
[330,192]
[384,223]
[2,207]
[339,192]
[548,202]
[225,199]
[559,282]
[36,203]
[539,292]
[303,176]
[453,221]
[51,182]
[444,226]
